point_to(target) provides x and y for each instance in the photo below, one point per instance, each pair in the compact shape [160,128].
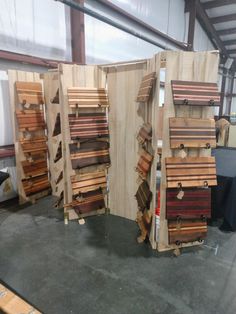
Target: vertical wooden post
[77,35]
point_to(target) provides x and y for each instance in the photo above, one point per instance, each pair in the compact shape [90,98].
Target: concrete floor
[99,268]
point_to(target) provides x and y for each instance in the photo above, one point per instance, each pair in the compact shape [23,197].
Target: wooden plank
[190,171]
[187,132]
[29,92]
[145,88]
[145,133]
[30,120]
[125,119]
[10,303]
[79,97]
[195,93]
[88,202]
[144,164]
[36,184]
[34,168]
[88,125]
[88,182]
[186,231]
[195,203]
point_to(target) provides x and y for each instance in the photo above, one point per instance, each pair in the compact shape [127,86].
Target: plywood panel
[125,118]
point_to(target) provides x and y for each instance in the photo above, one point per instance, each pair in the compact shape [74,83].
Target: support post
[229,101]
[222,96]
[77,34]
[191,25]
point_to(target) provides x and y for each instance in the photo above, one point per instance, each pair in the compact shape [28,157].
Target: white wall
[105,44]
[35,27]
[42,28]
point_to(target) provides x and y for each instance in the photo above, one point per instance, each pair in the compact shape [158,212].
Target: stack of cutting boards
[88,148]
[32,138]
[188,178]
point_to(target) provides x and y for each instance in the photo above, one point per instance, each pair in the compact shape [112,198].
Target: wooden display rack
[188,66]
[122,81]
[53,110]
[83,77]
[17,104]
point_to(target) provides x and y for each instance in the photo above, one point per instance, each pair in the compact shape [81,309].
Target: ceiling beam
[26,59]
[228,31]
[223,18]
[229,42]
[231,51]
[209,28]
[217,3]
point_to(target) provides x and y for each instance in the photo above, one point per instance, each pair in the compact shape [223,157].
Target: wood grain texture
[144,164]
[86,77]
[35,168]
[195,93]
[188,132]
[26,86]
[81,97]
[186,231]
[143,196]
[145,133]
[185,66]
[125,118]
[53,117]
[88,202]
[88,125]
[11,303]
[145,88]
[89,153]
[29,92]
[88,182]
[30,120]
[190,172]
[35,185]
[196,203]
